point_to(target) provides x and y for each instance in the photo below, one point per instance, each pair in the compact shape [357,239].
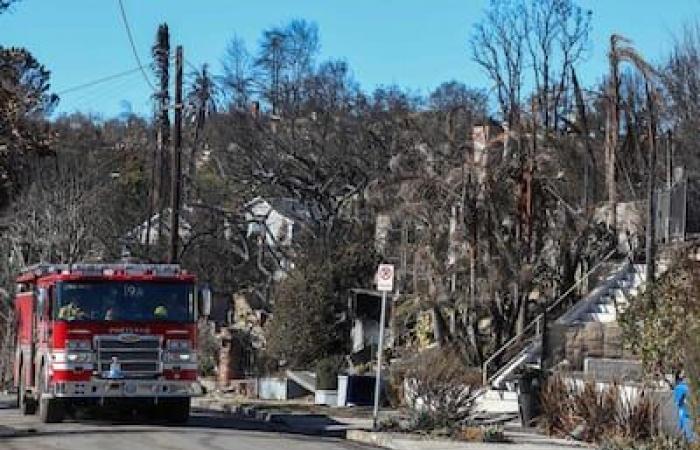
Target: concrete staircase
[304,378]
[603,304]
[611,297]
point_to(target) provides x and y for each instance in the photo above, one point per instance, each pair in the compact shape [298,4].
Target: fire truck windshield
[124,301]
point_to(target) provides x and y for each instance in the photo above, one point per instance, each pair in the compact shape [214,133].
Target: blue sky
[413,43]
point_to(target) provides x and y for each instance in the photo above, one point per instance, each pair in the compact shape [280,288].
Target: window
[125,301]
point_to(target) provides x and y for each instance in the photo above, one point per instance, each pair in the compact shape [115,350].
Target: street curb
[399,441]
[10,432]
[246,412]
[407,441]
[278,420]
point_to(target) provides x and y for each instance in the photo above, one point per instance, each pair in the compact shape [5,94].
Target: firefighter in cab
[160,312]
[71,311]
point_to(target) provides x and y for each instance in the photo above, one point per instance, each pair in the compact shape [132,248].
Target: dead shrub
[655,443]
[441,389]
[594,414]
[556,417]
[596,410]
[637,419]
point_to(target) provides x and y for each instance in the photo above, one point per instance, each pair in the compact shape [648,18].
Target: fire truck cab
[107,335]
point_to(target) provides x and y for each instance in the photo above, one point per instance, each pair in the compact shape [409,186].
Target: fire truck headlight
[81,344]
[79,357]
[179,345]
[180,357]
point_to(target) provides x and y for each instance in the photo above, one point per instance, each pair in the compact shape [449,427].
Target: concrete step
[497,401]
[638,278]
[632,293]
[500,395]
[624,283]
[618,295]
[604,308]
[601,317]
[605,300]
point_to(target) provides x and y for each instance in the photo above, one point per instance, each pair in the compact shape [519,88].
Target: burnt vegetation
[488,204]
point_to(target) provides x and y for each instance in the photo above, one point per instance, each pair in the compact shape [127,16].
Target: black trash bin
[529,397]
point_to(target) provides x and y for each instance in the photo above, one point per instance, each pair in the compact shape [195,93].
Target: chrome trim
[124,389]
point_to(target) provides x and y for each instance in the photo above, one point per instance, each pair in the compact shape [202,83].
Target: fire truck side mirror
[205,307]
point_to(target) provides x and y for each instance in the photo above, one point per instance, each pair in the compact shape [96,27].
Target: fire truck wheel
[51,410]
[26,404]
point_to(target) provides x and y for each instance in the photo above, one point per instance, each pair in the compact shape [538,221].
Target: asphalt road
[205,430]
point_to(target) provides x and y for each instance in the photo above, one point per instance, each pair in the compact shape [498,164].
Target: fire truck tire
[51,410]
[27,405]
[177,410]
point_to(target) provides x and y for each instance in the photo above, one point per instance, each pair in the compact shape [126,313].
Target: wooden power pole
[176,164]
[651,192]
[161,55]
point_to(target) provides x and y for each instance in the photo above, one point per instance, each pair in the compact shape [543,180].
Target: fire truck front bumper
[99,388]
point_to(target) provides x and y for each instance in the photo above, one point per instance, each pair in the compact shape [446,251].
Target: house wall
[272,388]
[278,388]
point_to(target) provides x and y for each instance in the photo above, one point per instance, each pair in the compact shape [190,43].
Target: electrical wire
[98,81]
[105,93]
[133,46]
[192,66]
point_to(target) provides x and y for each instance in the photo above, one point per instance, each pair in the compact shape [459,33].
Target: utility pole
[176,174]
[161,55]
[651,195]
[669,159]
[669,184]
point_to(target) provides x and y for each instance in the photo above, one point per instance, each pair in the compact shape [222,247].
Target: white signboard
[385,278]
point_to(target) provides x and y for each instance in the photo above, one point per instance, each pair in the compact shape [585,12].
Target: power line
[192,66]
[98,81]
[133,46]
[107,92]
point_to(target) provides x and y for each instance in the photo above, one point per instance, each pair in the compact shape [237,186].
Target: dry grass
[594,415]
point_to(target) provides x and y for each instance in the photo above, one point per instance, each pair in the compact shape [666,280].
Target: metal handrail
[537,319]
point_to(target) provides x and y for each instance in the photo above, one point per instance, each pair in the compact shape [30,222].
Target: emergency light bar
[88,269]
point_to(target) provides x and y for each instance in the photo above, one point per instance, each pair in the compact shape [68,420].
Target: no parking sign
[385,278]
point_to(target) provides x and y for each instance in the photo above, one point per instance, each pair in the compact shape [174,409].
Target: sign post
[385,283]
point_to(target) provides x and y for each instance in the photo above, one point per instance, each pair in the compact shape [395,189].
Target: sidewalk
[519,440]
[355,424]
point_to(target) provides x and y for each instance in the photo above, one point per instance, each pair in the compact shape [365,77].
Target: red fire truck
[107,335]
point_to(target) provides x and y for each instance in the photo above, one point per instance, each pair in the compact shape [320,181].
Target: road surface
[205,430]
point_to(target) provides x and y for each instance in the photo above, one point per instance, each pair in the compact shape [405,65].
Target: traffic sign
[385,278]
[385,283]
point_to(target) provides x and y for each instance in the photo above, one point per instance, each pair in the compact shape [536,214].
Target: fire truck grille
[138,357]
[134,368]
